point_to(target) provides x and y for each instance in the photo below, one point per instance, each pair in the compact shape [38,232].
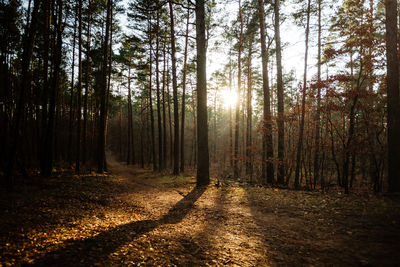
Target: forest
[199,132]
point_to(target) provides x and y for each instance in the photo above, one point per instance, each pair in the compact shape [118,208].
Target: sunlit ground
[136,217]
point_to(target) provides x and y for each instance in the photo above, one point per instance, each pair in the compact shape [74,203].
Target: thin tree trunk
[215,127]
[175,93]
[79,106]
[159,126]
[303,103]
[268,149]
[249,141]
[153,145]
[280,120]
[230,118]
[183,93]
[171,146]
[164,150]
[85,101]
[103,91]
[120,126]
[43,149]
[109,70]
[237,109]
[49,154]
[318,111]
[71,108]
[129,114]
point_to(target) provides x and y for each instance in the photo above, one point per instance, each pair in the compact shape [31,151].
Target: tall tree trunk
[129,114]
[393,106]
[164,123]
[318,111]
[141,133]
[203,175]
[175,93]
[103,91]
[215,127]
[303,103]
[183,93]
[71,107]
[79,106]
[280,120]
[153,145]
[49,154]
[237,108]
[230,117]
[109,70]
[268,148]
[43,149]
[171,143]
[159,126]
[249,141]
[85,101]
[120,126]
[28,41]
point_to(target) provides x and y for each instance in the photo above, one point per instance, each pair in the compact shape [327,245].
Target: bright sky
[292,38]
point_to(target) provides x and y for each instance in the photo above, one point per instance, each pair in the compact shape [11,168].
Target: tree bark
[174,93]
[103,90]
[237,108]
[85,101]
[249,141]
[71,107]
[303,103]
[164,123]
[280,120]
[183,93]
[129,113]
[203,176]
[268,149]
[159,126]
[153,145]
[318,111]
[43,148]
[79,105]
[393,106]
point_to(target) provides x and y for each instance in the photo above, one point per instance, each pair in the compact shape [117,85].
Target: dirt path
[141,218]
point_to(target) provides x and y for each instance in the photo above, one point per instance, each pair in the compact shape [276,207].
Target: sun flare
[229,98]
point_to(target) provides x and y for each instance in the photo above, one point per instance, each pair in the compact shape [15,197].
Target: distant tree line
[77,83]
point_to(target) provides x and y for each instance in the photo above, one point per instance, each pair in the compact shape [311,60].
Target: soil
[137,217]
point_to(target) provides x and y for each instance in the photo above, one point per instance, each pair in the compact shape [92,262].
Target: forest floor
[137,217]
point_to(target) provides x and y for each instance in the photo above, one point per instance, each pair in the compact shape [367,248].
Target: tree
[28,42]
[157,55]
[183,92]
[393,106]
[303,102]
[237,108]
[203,176]
[280,120]
[318,109]
[174,93]
[102,123]
[268,149]
[79,108]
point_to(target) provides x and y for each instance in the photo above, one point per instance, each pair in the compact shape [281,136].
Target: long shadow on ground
[95,249]
[321,237]
[202,248]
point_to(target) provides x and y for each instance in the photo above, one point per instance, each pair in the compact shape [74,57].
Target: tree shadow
[95,249]
[306,236]
[202,248]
